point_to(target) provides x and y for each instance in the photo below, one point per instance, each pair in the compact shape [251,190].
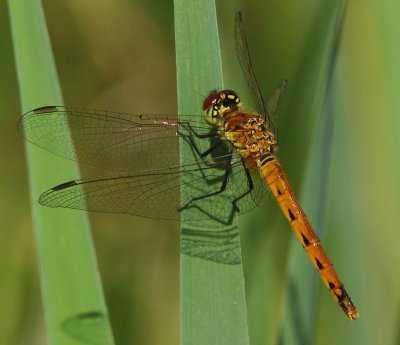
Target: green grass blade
[212,286]
[74,306]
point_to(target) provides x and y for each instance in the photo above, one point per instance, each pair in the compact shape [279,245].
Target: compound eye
[231,98]
[211,100]
[230,93]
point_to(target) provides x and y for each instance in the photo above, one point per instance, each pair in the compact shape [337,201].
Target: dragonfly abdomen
[273,173]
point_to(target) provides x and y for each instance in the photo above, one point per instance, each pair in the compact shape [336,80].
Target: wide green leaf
[212,286]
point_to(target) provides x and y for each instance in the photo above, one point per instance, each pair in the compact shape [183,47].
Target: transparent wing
[270,111]
[275,100]
[147,147]
[111,140]
[156,193]
[243,54]
[274,104]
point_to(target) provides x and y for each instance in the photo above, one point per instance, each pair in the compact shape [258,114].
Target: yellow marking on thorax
[248,134]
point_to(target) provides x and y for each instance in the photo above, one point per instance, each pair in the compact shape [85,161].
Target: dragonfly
[230,163]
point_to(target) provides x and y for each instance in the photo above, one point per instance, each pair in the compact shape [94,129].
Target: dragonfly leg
[248,191]
[211,134]
[221,190]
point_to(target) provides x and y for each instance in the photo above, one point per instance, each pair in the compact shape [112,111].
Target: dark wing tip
[26,116]
[64,185]
[47,199]
[45,109]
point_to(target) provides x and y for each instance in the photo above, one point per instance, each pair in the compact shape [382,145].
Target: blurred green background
[119,56]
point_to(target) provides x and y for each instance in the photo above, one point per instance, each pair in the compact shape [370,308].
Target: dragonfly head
[218,104]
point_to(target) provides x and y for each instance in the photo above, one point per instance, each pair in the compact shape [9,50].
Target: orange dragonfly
[229,167]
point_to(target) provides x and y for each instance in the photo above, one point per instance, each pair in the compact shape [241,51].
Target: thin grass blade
[74,306]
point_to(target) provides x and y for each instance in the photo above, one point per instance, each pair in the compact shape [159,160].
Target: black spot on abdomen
[291,215]
[305,240]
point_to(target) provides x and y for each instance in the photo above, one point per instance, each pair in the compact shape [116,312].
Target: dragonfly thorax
[219,104]
[249,134]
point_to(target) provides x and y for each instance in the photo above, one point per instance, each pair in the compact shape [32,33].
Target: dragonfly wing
[151,195]
[243,54]
[257,196]
[269,110]
[115,141]
[156,193]
[274,104]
